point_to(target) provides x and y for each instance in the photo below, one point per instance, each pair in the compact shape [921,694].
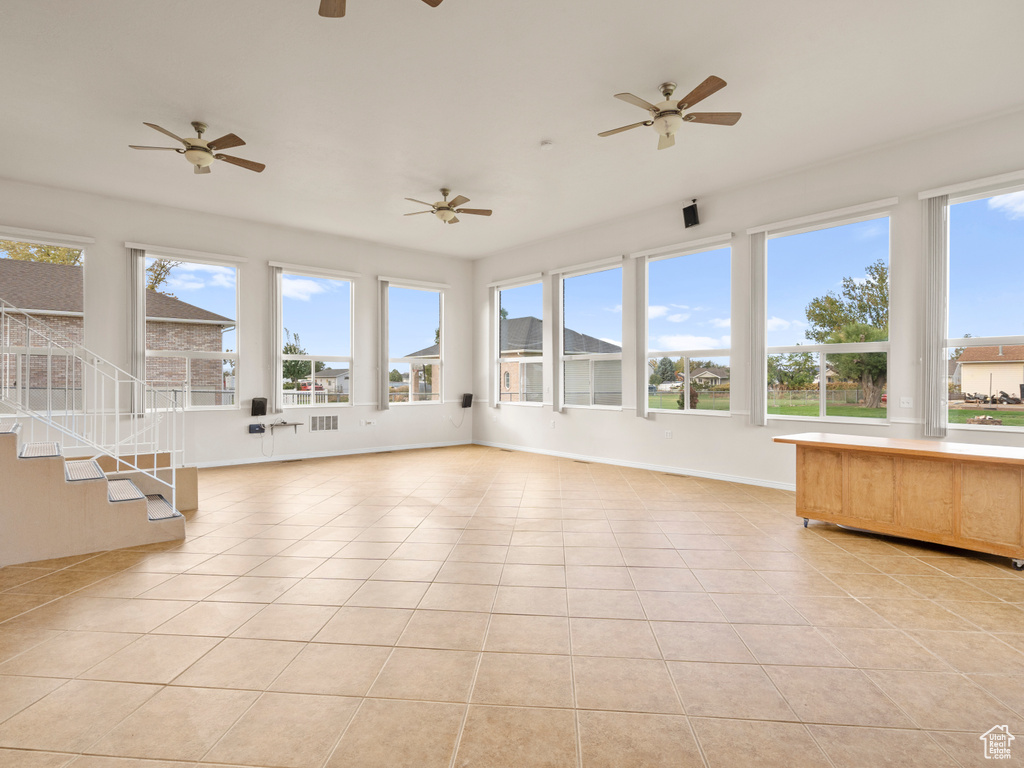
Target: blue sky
[319,310]
[805,266]
[689,300]
[413,318]
[592,304]
[210,287]
[986,267]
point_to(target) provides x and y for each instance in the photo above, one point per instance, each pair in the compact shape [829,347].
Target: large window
[414,345]
[827,321]
[191,331]
[316,333]
[688,332]
[986,325]
[592,339]
[44,281]
[520,344]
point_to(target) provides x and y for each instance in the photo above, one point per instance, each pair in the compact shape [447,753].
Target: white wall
[219,437]
[731,447]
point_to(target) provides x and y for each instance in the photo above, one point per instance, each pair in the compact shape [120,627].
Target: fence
[290,397]
[800,397]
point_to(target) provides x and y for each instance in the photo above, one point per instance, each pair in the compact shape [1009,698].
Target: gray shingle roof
[526,334]
[58,288]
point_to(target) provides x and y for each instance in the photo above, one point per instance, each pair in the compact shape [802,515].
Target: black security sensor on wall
[259,406]
[690,215]
[467,400]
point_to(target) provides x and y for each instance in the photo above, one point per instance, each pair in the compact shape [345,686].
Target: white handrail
[91,406]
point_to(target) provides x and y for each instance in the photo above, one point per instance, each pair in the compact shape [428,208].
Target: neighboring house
[52,293]
[830,374]
[710,377]
[670,386]
[990,370]
[422,378]
[333,380]
[523,337]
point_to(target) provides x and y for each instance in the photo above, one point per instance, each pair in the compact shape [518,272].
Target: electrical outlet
[668,434]
[552,423]
[906,402]
[371,422]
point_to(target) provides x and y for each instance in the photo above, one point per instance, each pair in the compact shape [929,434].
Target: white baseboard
[326,454]
[640,465]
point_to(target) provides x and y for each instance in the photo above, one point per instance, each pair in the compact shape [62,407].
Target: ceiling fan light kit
[668,116]
[448,211]
[335,9]
[201,153]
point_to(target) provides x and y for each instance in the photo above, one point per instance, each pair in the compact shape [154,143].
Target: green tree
[870,368]
[158,272]
[955,354]
[794,371]
[666,370]
[293,370]
[863,301]
[694,397]
[395,375]
[19,251]
[503,313]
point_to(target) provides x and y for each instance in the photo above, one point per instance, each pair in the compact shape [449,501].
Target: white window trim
[386,284]
[40,237]
[495,384]
[712,243]
[192,257]
[687,354]
[283,270]
[879,209]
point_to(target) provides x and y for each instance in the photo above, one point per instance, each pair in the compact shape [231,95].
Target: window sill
[520,404]
[830,420]
[984,428]
[316,405]
[691,412]
[421,402]
[592,407]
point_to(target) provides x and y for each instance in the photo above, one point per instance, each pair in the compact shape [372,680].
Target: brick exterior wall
[206,374]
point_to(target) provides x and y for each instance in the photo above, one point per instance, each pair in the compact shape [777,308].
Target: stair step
[9,426]
[123,490]
[160,509]
[39,450]
[82,470]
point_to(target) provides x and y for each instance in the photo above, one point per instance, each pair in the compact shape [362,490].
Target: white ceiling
[397,99]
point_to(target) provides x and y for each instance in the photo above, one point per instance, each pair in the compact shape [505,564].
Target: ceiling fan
[335,9]
[667,116]
[446,209]
[201,153]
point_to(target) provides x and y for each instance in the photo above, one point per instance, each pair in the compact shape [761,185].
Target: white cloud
[300,288]
[192,277]
[184,284]
[874,230]
[679,306]
[860,281]
[656,310]
[616,308]
[686,341]
[1012,204]
[678,317]
[721,322]
[778,324]
[612,341]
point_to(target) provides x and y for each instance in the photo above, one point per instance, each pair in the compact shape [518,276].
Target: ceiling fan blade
[411,200]
[166,133]
[417,213]
[453,220]
[332,9]
[247,164]
[715,118]
[433,3]
[226,142]
[636,101]
[711,85]
[664,142]
[459,200]
[475,211]
[202,169]
[625,128]
[170,149]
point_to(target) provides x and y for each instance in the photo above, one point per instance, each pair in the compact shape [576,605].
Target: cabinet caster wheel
[805,522]
[1018,565]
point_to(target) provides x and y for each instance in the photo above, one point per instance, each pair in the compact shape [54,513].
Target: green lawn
[1009,418]
[707,401]
[845,411]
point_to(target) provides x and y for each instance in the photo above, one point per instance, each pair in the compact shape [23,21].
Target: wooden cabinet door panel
[926,491]
[990,503]
[819,486]
[871,487]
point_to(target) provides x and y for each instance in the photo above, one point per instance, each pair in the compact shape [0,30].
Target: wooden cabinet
[956,494]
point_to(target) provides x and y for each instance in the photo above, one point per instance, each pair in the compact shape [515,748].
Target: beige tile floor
[480,608]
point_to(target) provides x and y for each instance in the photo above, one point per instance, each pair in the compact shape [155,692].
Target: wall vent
[323,423]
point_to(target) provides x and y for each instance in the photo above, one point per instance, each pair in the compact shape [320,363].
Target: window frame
[319,274]
[705,245]
[192,257]
[979,191]
[410,361]
[498,360]
[589,269]
[853,215]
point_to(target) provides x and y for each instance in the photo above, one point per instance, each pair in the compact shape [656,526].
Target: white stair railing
[87,404]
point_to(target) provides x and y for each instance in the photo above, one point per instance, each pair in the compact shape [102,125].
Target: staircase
[89,455]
